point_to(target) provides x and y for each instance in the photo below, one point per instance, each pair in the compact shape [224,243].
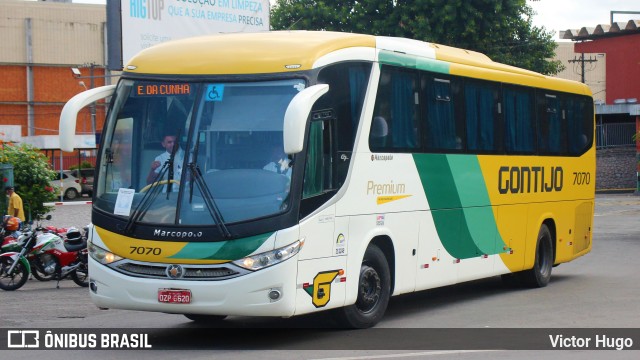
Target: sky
[559,15]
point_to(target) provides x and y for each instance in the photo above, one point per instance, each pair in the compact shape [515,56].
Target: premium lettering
[384,189]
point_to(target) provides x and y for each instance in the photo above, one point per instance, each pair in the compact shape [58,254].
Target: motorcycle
[47,253]
[9,233]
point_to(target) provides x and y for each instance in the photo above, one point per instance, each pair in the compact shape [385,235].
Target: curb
[69,203]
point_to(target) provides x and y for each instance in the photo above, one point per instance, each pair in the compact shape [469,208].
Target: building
[42,41]
[615,48]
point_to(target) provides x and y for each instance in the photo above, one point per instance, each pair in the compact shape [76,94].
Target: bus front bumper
[247,295]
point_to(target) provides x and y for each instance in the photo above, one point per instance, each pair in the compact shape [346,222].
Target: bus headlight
[270,258]
[101,255]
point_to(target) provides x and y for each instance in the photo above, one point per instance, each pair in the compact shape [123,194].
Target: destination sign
[162,89]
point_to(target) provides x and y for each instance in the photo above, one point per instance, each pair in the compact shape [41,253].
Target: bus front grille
[186,272]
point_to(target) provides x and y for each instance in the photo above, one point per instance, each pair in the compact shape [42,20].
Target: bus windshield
[196,152]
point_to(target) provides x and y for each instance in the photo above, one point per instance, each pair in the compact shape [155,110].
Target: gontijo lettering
[527,179]
[163,89]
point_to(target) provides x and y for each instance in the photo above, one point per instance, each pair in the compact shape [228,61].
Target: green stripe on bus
[413,62]
[476,205]
[460,205]
[222,250]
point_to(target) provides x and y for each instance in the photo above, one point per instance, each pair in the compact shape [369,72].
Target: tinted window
[442,130]
[518,118]
[481,116]
[579,114]
[394,126]
[552,137]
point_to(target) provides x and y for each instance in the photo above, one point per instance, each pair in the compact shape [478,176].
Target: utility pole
[582,62]
[92,108]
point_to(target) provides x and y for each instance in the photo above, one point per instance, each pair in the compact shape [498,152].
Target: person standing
[15,204]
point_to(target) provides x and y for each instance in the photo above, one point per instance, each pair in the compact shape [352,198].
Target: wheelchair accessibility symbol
[214,92]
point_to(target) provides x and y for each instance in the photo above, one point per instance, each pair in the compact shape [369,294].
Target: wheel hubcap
[369,289]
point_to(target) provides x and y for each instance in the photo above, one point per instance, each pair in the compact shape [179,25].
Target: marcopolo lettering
[177,234]
[534,179]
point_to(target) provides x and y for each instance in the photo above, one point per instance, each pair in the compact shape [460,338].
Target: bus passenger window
[579,113]
[481,112]
[518,120]
[396,103]
[551,125]
[444,130]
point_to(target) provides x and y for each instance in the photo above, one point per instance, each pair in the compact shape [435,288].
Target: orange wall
[52,87]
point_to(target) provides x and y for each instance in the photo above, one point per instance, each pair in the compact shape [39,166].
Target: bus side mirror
[295,118]
[70,111]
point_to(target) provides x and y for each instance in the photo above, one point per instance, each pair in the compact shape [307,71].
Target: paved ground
[597,291]
[76,214]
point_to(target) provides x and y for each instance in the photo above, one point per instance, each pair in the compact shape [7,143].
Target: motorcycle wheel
[80,276]
[16,279]
[41,276]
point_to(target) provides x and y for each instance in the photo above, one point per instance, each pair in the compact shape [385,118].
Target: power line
[581,61]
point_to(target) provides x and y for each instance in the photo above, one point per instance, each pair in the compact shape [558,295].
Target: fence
[70,161]
[615,135]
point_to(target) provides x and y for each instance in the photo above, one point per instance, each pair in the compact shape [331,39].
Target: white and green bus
[311,171]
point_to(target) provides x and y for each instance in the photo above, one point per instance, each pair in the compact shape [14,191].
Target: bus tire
[540,274]
[374,287]
[205,319]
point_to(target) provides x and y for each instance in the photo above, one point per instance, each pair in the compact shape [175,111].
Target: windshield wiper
[149,197]
[171,159]
[209,201]
[194,160]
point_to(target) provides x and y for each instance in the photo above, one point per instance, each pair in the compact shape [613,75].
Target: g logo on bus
[174,271]
[320,291]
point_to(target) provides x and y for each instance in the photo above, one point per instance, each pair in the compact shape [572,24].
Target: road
[599,290]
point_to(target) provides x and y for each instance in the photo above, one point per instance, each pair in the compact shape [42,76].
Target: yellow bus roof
[283,51]
[244,53]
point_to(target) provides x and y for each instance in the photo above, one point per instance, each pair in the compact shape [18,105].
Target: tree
[501,29]
[31,175]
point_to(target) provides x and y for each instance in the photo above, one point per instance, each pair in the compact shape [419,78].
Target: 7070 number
[581,178]
[144,250]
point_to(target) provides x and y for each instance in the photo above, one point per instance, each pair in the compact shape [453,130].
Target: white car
[70,185]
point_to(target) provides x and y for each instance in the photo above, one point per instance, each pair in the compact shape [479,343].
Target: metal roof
[602,30]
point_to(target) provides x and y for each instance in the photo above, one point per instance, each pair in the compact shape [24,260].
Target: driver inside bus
[279,162]
[168,143]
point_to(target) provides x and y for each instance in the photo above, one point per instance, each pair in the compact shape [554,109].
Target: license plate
[173,296]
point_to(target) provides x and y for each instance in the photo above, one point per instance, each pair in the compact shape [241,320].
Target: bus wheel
[374,287]
[205,319]
[540,275]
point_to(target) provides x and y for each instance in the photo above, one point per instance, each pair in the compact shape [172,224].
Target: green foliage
[83,165]
[31,174]
[501,29]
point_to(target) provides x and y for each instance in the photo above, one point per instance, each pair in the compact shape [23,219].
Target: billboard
[144,23]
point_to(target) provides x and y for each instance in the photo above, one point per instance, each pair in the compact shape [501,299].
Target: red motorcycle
[49,254]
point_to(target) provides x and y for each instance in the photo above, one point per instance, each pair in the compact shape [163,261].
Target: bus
[285,173]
